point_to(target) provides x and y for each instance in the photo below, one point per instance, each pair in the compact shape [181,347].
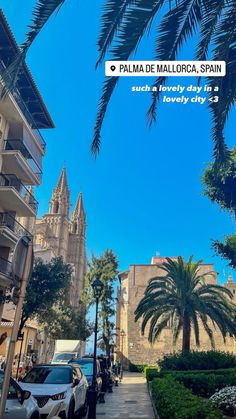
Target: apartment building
[22,115]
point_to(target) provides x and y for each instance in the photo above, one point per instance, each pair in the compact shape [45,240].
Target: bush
[151,372]
[210,360]
[136,368]
[226,400]
[206,385]
[173,400]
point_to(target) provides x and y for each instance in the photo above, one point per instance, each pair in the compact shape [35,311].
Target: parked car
[58,384]
[86,365]
[20,404]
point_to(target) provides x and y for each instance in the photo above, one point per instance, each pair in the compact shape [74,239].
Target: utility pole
[15,329]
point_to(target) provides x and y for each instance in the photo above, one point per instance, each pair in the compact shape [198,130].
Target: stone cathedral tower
[58,234]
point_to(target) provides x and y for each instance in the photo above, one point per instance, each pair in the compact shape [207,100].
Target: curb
[153,404]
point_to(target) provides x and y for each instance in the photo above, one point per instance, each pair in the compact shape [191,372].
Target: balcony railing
[7,220]
[5,267]
[20,146]
[14,182]
[24,109]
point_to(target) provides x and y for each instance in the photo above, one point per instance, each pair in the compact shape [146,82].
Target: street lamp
[97,286]
[122,335]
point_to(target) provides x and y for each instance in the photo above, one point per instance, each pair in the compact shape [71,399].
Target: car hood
[45,389]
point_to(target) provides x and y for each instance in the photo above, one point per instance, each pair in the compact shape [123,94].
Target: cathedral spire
[62,183]
[60,201]
[78,217]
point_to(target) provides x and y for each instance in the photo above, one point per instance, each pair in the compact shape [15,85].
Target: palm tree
[183,299]
[124,24]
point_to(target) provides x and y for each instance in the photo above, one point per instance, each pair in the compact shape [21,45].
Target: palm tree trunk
[186,334]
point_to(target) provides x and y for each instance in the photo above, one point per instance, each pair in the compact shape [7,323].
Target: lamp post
[122,335]
[97,286]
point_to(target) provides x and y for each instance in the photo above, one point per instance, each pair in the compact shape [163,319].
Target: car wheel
[35,416]
[71,411]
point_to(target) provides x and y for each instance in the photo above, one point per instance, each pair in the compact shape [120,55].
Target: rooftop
[28,93]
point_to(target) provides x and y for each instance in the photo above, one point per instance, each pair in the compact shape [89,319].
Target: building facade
[59,234]
[132,346]
[22,114]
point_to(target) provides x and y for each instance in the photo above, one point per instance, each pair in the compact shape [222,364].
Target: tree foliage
[124,24]
[65,322]
[49,283]
[105,267]
[47,300]
[220,183]
[227,249]
[220,187]
[183,299]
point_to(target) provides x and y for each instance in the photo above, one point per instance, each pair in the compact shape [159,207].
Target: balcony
[10,230]
[14,196]
[5,272]
[25,111]
[29,118]
[18,159]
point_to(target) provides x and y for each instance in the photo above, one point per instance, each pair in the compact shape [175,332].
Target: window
[49,375]
[13,390]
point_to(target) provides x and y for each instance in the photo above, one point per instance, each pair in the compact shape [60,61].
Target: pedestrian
[3,364]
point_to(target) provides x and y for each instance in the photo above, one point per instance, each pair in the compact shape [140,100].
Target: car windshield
[48,375]
[86,366]
[63,357]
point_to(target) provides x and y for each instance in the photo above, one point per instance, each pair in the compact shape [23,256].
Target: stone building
[133,345]
[57,234]
[23,117]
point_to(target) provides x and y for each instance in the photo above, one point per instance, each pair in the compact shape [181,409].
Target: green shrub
[151,372]
[136,368]
[206,385]
[210,360]
[173,400]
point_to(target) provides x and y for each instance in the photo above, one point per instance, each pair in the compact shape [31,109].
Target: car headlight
[59,396]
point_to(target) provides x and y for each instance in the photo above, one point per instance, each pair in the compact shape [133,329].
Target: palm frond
[43,10]
[225,50]
[176,27]
[211,14]
[111,21]
[135,22]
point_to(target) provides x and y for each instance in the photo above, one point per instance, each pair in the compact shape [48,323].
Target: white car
[20,404]
[52,385]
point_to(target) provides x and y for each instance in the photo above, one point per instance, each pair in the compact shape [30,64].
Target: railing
[14,182]
[20,146]
[5,267]
[7,220]
[24,109]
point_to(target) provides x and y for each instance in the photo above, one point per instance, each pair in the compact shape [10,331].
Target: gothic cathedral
[58,234]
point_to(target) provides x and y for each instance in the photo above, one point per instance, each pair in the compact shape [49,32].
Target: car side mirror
[25,395]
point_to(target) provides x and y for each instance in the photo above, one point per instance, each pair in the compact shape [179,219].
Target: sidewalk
[129,400]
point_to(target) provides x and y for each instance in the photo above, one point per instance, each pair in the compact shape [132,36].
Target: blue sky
[143,193]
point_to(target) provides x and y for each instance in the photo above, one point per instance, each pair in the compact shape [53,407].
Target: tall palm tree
[183,299]
[124,24]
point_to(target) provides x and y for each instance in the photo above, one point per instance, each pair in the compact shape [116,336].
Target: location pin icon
[113,67]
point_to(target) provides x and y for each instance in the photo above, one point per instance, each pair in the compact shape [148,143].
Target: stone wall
[136,348]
